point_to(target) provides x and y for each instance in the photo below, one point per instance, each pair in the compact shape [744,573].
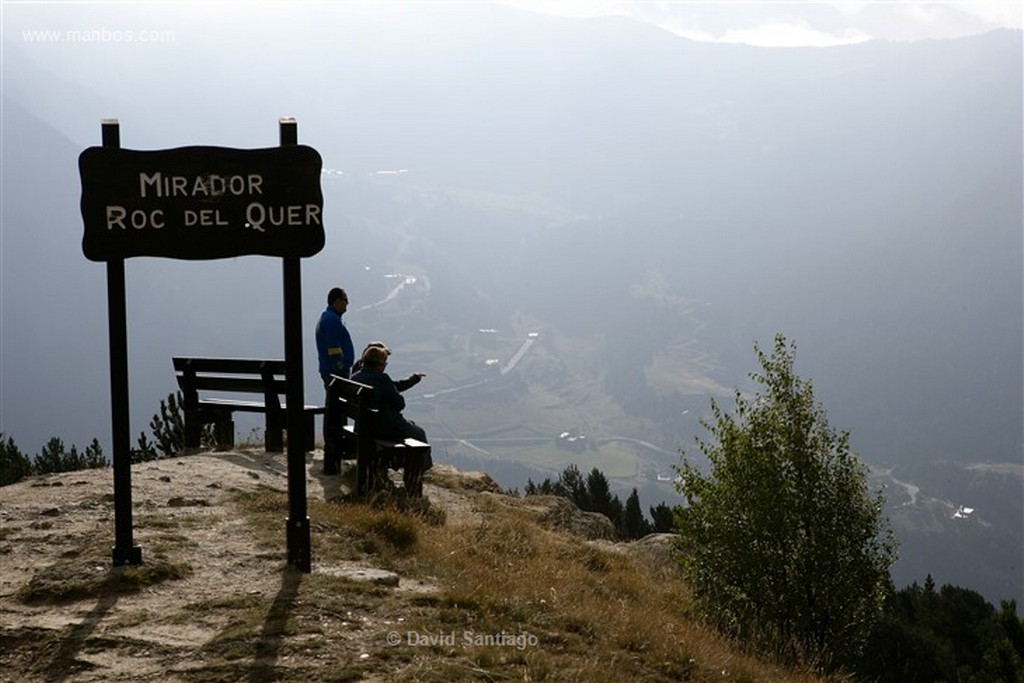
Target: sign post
[203,203]
[297,524]
[125,551]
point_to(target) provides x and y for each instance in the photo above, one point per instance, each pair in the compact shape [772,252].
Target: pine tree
[634,525]
[14,465]
[663,518]
[93,456]
[573,486]
[168,427]
[599,497]
[51,458]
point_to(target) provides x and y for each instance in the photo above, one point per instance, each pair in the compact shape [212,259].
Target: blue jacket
[333,345]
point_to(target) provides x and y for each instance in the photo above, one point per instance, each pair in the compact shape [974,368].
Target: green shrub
[784,546]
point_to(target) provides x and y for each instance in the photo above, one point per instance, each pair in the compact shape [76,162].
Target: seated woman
[391,424]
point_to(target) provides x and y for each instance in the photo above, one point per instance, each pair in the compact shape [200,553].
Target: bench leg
[308,431]
[273,440]
[381,480]
[224,432]
[336,441]
[413,466]
[371,475]
[364,476]
[332,463]
[273,431]
[413,479]
[193,430]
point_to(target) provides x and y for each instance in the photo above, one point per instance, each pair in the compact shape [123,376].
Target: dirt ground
[65,523]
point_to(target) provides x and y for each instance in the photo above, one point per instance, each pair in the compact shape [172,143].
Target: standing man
[336,355]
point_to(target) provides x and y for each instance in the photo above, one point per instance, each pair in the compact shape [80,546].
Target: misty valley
[582,256]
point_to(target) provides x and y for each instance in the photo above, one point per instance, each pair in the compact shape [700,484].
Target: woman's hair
[375,355]
[379,345]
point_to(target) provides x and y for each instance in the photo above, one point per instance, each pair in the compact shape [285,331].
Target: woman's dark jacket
[391,424]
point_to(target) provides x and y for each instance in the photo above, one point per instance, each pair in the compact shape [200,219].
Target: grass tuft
[69,581]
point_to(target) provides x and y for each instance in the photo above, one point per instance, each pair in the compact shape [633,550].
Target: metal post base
[129,555]
[297,534]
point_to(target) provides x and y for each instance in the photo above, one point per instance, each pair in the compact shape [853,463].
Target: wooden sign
[201,202]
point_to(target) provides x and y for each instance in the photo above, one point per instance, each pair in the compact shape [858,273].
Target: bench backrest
[233,375]
[354,401]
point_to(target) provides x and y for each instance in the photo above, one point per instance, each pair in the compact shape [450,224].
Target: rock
[453,478]
[181,502]
[561,514]
[379,577]
[656,550]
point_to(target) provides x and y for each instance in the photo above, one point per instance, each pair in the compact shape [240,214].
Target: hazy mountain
[647,206]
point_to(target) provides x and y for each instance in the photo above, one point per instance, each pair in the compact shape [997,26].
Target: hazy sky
[767,23]
[801,23]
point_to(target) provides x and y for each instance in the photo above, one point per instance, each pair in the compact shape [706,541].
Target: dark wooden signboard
[201,202]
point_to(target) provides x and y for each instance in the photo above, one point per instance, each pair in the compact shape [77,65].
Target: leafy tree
[1003,659]
[945,635]
[14,465]
[785,547]
[1000,664]
[1012,625]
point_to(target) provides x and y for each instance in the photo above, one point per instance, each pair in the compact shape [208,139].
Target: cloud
[996,13]
[777,34]
[570,8]
[798,34]
[801,23]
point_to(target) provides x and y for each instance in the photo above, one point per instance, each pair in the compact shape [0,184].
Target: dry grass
[515,601]
[486,594]
[83,572]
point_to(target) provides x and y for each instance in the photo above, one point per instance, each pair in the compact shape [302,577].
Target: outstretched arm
[409,382]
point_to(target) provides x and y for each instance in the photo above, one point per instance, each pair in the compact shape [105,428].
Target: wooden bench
[374,455]
[266,378]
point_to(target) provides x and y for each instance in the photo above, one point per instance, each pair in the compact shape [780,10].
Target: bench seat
[387,447]
[353,401]
[238,376]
